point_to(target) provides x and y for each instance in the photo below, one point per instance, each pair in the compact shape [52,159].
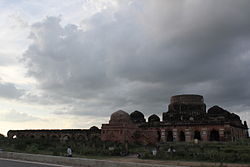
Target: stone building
[63,135]
[185,120]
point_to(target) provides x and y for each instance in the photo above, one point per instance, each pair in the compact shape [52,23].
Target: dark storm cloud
[139,56]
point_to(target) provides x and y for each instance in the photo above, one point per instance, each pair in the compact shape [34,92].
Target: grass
[233,152]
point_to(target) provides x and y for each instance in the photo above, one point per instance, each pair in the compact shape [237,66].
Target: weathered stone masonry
[185,120]
[63,135]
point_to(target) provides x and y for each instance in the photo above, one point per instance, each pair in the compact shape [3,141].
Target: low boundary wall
[76,162]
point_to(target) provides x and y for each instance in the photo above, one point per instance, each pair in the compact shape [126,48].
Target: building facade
[63,135]
[185,120]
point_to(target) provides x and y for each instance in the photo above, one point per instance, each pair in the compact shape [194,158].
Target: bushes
[32,148]
[215,152]
[51,147]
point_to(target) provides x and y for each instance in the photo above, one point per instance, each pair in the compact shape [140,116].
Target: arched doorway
[158,136]
[182,136]
[170,136]
[197,135]
[214,135]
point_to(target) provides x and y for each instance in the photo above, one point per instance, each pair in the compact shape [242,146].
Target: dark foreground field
[179,162]
[217,153]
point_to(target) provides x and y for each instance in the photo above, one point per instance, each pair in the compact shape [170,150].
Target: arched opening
[182,136]
[158,136]
[214,135]
[42,137]
[66,138]
[170,136]
[197,135]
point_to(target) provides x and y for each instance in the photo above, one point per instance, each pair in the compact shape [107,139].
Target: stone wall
[57,134]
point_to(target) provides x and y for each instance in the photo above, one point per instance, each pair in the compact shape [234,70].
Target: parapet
[187,99]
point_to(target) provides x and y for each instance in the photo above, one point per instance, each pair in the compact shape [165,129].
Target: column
[204,134]
[175,135]
[187,135]
[221,133]
[163,135]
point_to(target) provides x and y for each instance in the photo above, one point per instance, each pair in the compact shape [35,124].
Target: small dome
[137,117]
[120,117]
[94,128]
[153,118]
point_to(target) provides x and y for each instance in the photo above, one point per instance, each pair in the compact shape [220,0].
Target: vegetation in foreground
[234,152]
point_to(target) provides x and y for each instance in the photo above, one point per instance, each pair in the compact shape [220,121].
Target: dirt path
[179,163]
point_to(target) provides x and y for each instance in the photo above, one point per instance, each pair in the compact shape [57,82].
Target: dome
[153,118]
[94,128]
[137,117]
[120,117]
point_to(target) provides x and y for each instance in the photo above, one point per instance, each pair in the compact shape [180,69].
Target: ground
[181,163]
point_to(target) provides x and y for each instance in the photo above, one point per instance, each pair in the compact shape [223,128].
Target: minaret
[245,124]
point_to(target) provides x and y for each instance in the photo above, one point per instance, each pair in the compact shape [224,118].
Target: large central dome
[186,107]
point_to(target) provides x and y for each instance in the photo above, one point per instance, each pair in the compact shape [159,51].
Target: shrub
[33,148]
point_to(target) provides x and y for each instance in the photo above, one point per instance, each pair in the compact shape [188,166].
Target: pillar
[175,135]
[204,134]
[221,134]
[188,135]
[163,135]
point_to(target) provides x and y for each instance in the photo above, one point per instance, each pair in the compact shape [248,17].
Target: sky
[71,64]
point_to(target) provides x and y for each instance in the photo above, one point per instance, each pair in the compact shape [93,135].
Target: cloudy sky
[70,64]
